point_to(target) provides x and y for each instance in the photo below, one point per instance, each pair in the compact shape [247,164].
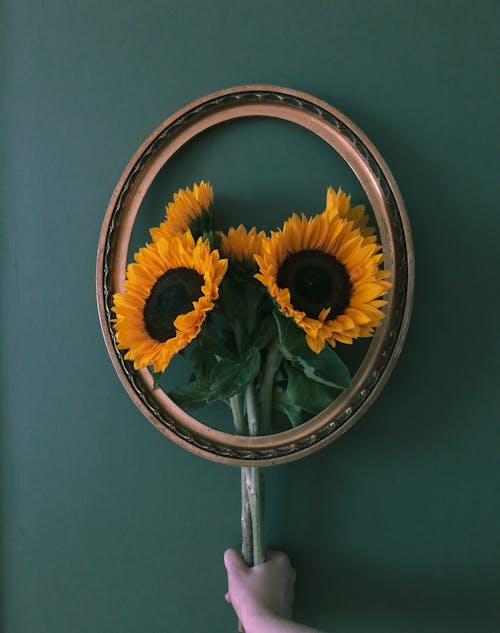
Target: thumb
[234,562]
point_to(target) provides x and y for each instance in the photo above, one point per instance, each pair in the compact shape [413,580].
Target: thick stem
[246,516]
[252,419]
[238,419]
[246,520]
[253,481]
[273,361]
[254,486]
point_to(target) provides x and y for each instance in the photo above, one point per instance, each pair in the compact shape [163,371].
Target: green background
[108,526]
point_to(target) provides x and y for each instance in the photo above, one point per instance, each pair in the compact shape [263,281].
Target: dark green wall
[106,525]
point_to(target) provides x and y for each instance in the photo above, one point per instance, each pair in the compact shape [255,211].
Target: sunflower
[168,291]
[324,274]
[338,204]
[240,244]
[190,209]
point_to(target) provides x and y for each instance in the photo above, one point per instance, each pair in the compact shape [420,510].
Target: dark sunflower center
[316,280]
[172,294]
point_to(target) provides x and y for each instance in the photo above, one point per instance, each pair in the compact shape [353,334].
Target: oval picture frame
[394,229]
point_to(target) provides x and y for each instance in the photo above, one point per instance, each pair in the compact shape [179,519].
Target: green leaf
[309,395]
[193,395]
[201,362]
[241,271]
[231,300]
[214,342]
[282,403]
[228,377]
[325,367]
[264,332]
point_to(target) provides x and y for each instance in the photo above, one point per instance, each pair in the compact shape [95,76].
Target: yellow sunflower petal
[315,343]
[339,204]
[186,208]
[241,244]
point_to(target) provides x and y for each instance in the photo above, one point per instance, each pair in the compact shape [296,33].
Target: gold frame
[384,197]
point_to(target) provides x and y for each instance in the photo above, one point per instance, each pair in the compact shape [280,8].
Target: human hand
[265,589]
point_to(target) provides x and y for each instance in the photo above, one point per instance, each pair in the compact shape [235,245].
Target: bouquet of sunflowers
[257,317]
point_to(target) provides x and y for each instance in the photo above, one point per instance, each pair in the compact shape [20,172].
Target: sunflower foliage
[255,316]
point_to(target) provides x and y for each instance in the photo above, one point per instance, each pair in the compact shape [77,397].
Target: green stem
[238,335]
[246,520]
[273,361]
[253,420]
[239,422]
[246,516]
[254,481]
